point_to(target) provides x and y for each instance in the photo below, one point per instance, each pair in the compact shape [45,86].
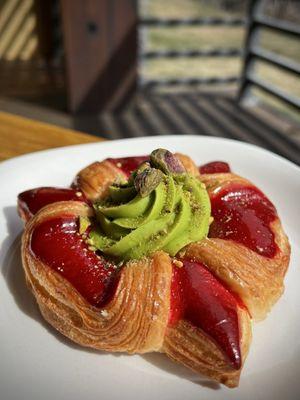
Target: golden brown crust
[188,164]
[134,321]
[191,347]
[95,179]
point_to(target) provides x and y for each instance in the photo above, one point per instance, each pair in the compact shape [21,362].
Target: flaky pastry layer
[191,347]
[258,280]
[136,319]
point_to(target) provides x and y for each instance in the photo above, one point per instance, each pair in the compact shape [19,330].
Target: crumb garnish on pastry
[57,242]
[162,207]
[244,214]
[153,253]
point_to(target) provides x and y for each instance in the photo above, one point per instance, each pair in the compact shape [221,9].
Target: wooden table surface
[20,135]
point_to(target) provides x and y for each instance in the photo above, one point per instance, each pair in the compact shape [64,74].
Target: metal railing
[175,22]
[193,53]
[253,52]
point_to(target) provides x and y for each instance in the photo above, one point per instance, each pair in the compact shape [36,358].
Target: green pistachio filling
[160,208]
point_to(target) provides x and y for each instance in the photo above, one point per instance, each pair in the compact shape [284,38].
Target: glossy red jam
[199,297]
[128,164]
[177,296]
[56,242]
[31,201]
[244,214]
[214,167]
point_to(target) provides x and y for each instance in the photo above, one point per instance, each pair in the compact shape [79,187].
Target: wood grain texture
[20,135]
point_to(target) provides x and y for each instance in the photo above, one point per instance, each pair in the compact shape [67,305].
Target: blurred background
[123,68]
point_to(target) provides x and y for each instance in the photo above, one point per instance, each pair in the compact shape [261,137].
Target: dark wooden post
[44,27]
[100,38]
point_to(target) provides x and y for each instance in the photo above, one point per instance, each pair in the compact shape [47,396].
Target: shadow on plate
[161,361]
[13,274]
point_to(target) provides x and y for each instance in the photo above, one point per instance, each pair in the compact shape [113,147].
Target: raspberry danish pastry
[152,253]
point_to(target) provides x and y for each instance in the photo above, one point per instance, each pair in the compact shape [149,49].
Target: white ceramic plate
[38,363]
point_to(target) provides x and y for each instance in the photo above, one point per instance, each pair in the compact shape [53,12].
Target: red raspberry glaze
[244,214]
[200,298]
[214,167]
[31,201]
[128,164]
[177,296]
[56,242]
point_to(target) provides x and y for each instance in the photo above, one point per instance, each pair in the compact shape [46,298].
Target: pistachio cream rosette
[161,207]
[146,254]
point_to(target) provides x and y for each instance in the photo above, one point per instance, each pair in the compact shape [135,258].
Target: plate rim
[261,151]
[251,146]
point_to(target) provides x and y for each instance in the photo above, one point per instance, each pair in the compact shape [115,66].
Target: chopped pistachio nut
[147,180]
[178,263]
[84,223]
[166,162]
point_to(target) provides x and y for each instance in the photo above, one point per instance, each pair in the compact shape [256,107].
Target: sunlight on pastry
[153,253]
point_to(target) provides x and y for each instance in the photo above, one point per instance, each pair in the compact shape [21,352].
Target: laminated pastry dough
[258,280]
[136,320]
[128,323]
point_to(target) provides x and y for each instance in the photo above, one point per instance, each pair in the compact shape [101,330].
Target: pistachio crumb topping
[160,207]
[178,263]
[84,223]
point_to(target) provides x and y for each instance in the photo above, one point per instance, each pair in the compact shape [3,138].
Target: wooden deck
[209,114]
